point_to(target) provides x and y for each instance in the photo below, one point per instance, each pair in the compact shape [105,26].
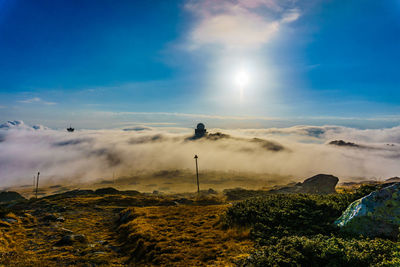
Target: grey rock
[320,184]
[375,215]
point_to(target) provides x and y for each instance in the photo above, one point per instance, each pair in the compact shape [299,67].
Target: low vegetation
[298,230]
[180,236]
[323,250]
[240,227]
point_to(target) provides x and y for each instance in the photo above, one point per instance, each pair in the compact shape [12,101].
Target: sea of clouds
[300,151]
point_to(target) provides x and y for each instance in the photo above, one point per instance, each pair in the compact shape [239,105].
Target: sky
[242,64]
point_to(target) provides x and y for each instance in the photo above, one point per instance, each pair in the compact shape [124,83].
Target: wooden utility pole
[197,174]
[37,183]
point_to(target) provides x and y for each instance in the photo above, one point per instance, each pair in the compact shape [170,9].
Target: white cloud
[238,23]
[36,100]
[290,16]
[30,100]
[20,125]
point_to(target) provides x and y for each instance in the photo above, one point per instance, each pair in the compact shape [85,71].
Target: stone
[7,196]
[320,184]
[375,215]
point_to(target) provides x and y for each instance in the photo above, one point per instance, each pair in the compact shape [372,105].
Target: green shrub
[279,215]
[241,194]
[325,251]
[366,189]
[298,230]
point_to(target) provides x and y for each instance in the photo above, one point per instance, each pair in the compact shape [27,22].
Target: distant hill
[343,143]
[392,180]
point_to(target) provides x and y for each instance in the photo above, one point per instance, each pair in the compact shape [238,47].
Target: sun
[242,78]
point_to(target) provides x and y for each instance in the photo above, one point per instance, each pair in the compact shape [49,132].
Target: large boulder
[320,184]
[375,215]
[7,196]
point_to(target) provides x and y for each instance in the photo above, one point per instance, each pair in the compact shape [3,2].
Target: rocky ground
[85,229]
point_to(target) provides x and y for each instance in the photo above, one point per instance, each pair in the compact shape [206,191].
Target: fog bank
[92,155]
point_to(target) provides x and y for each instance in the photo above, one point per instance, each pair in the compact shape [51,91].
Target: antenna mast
[37,183]
[197,174]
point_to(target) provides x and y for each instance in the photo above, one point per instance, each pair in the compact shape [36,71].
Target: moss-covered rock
[377,214]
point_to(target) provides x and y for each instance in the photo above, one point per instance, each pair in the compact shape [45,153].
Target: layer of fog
[92,155]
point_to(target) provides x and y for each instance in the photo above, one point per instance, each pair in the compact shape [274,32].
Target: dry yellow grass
[164,233]
[182,236]
[30,242]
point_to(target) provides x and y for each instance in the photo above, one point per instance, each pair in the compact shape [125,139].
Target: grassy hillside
[181,235]
[122,228]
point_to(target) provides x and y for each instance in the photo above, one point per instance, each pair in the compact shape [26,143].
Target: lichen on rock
[375,215]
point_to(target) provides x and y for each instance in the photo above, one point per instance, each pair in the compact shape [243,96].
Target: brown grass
[160,232]
[31,242]
[182,236]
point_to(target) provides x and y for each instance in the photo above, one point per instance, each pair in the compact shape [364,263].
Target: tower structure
[200,130]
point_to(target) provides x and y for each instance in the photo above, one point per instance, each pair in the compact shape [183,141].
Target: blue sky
[101,64]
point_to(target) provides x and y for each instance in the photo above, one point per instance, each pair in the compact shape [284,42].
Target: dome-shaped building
[200,131]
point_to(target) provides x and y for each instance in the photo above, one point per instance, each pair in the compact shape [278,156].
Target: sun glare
[242,78]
